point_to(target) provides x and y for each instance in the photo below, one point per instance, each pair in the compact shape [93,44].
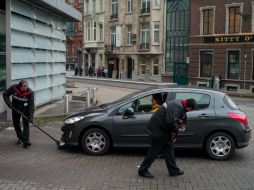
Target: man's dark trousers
[24,136]
[168,151]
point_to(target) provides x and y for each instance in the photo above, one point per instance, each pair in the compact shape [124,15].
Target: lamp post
[244,74]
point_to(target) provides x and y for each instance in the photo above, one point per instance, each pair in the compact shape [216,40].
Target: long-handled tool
[58,143]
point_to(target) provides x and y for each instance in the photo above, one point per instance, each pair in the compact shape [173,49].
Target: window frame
[239,64]
[113,35]
[146,31]
[158,6]
[156,65]
[202,9]
[142,64]
[156,30]
[228,6]
[129,34]
[114,7]
[200,63]
[131,6]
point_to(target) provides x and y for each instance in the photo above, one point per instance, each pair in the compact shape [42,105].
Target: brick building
[74,40]
[222,43]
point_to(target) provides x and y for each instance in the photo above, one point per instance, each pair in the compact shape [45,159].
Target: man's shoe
[177,173]
[145,174]
[26,144]
[19,141]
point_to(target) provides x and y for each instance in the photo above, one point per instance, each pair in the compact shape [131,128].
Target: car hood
[88,111]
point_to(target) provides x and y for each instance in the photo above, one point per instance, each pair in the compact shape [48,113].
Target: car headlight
[73,119]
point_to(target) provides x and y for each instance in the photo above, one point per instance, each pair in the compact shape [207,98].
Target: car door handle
[204,115]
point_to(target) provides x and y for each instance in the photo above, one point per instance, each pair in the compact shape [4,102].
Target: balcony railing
[144,46]
[109,48]
[145,10]
[113,16]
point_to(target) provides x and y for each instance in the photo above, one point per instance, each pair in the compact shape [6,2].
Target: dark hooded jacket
[164,122]
[22,101]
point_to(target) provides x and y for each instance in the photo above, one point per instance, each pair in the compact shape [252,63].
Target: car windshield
[230,103]
[111,104]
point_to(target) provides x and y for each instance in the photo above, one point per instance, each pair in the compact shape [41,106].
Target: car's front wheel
[95,142]
[220,146]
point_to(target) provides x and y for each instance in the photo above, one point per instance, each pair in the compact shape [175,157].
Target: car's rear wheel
[220,146]
[95,142]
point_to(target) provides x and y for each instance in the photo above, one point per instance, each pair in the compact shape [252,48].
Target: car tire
[220,146]
[95,142]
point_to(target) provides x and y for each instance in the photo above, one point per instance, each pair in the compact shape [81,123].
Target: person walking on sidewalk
[162,129]
[22,100]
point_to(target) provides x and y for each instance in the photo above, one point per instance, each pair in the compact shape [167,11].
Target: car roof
[191,88]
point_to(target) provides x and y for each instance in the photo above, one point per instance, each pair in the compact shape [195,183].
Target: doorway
[129,68]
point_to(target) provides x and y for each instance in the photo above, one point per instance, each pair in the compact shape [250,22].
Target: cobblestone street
[43,166]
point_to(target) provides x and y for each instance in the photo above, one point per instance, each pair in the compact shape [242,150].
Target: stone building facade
[94,34]
[222,43]
[134,39]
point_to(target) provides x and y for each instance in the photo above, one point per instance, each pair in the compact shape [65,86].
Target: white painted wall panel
[21,39]
[17,69]
[20,23]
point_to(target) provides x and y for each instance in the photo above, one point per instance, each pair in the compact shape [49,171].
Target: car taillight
[239,117]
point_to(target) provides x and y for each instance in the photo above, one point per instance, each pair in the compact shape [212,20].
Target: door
[180,73]
[131,130]
[198,120]
[129,68]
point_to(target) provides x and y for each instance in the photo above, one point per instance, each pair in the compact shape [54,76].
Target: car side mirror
[128,112]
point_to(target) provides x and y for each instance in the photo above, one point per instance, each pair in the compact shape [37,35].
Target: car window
[230,103]
[122,109]
[203,100]
[141,105]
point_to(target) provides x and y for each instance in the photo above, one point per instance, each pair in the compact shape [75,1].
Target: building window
[129,34]
[113,35]
[71,3]
[80,26]
[156,32]
[206,63]
[88,31]
[94,6]
[94,31]
[101,32]
[145,6]
[208,21]
[101,5]
[114,9]
[234,19]
[129,6]
[157,3]
[233,64]
[142,66]
[87,7]
[156,66]
[145,35]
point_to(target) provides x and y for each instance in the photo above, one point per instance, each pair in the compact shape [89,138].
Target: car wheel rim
[220,146]
[95,142]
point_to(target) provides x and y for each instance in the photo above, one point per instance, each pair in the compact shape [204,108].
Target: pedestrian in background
[23,101]
[162,128]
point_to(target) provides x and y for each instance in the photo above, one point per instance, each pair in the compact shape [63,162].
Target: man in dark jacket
[162,128]
[23,101]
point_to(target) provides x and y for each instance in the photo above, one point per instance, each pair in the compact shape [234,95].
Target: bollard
[66,103]
[94,96]
[88,99]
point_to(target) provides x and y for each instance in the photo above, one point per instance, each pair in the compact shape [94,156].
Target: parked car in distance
[217,124]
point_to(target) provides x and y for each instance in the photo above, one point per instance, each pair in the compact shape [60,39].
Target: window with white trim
[94,31]
[234,18]
[206,63]
[145,6]
[142,66]
[156,32]
[114,9]
[101,6]
[101,32]
[129,6]
[88,31]
[156,66]
[252,20]
[129,34]
[157,3]
[207,21]
[145,35]
[113,35]
[233,64]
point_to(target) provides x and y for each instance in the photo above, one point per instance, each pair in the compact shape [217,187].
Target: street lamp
[244,74]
